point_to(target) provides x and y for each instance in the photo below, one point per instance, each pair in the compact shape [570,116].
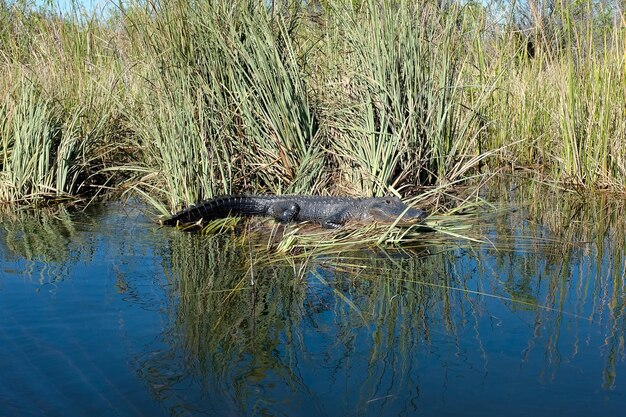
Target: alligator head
[389,209]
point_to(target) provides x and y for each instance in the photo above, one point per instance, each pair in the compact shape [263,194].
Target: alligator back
[220,207]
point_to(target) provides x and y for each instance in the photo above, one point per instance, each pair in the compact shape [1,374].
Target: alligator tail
[218,208]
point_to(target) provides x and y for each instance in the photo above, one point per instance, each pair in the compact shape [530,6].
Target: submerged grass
[272,242]
[180,101]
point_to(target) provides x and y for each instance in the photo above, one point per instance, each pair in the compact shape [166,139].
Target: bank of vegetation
[177,101]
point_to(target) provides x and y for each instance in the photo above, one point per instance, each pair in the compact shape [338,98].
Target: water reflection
[530,321]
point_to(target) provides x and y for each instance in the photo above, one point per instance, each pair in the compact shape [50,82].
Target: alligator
[330,212]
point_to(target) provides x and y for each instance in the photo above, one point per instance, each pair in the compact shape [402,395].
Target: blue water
[104,313]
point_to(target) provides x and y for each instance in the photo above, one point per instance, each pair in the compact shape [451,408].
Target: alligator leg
[284,211]
[334,222]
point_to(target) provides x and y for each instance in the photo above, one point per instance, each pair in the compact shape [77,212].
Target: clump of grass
[225,102]
[400,113]
[60,116]
[31,132]
[562,111]
[592,111]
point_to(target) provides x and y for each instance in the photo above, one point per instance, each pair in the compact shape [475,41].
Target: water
[106,314]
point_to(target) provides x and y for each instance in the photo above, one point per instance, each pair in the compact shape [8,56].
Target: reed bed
[179,101]
[60,106]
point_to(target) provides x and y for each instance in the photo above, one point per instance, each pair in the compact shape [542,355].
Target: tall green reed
[61,117]
[224,106]
[400,113]
[592,106]
[562,110]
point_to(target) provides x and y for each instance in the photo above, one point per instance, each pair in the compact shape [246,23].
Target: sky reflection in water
[106,314]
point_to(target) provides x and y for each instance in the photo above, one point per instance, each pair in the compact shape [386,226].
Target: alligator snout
[413,214]
[390,209]
[410,216]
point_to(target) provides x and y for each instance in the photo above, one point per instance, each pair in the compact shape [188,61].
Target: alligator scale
[330,212]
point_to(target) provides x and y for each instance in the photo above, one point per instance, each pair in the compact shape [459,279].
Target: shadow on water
[530,322]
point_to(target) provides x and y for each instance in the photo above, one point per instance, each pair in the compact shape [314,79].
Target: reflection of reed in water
[224,326]
[572,248]
[49,238]
[235,336]
[411,306]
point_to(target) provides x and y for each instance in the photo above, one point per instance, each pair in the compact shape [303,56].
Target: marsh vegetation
[178,101]
[511,299]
